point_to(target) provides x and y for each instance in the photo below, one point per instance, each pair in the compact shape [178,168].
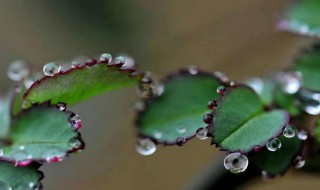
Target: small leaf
[41,133]
[303,18]
[240,123]
[178,112]
[308,64]
[80,83]
[278,162]
[12,177]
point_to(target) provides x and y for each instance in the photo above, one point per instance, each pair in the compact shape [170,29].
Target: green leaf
[12,177]
[80,83]
[303,18]
[42,133]
[240,123]
[178,112]
[278,162]
[264,88]
[308,64]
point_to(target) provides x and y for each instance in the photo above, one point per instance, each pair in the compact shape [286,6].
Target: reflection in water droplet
[193,70]
[51,69]
[289,131]
[181,141]
[309,101]
[201,133]
[256,84]
[74,121]
[181,129]
[18,70]
[61,106]
[221,90]
[208,118]
[4,186]
[236,162]
[145,146]
[303,135]
[274,144]
[290,81]
[299,162]
[106,57]
[212,104]
[120,60]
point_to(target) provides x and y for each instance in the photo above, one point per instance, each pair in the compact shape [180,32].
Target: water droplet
[233,83]
[75,144]
[4,186]
[212,104]
[256,84]
[201,133]
[28,82]
[257,148]
[51,69]
[208,118]
[181,129]
[28,186]
[75,63]
[309,101]
[61,106]
[236,163]
[181,141]
[289,131]
[18,70]
[290,81]
[54,154]
[140,106]
[274,144]
[160,89]
[221,76]
[129,64]
[106,57]
[1,152]
[302,135]
[22,163]
[158,135]
[221,90]
[120,60]
[74,121]
[91,62]
[193,70]
[299,162]
[145,146]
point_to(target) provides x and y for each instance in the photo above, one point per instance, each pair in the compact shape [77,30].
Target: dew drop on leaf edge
[202,133]
[236,163]
[289,131]
[274,144]
[51,69]
[145,146]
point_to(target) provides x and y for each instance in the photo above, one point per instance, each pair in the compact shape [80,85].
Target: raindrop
[75,144]
[27,186]
[236,163]
[18,70]
[75,63]
[28,82]
[74,121]
[145,146]
[257,148]
[1,152]
[106,57]
[129,64]
[51,69]
[201,133]
[54,154]
[181,141]
[290,81]
[158,135]
[91,62]
[309,101]
[256,84]
[233,83]
[208,118]
[221,90]
[299,162]
[181,129]
[274,144]
[4,186]
[193,70]
[61,106]
[120,60]
[221,76]
[289,131]
[302,135]
[212,104]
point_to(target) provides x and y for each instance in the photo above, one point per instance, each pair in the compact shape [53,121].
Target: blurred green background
[236,37]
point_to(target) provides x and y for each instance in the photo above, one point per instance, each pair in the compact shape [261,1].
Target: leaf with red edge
[42,133]
[82,82]
[240,123]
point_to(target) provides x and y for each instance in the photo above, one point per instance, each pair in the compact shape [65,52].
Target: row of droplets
[22,186]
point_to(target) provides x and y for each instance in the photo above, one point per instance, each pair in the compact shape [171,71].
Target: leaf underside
[41,133]
[178,112]
[278,162]
[303,18]
[19,178]
[240,123]
[80,83]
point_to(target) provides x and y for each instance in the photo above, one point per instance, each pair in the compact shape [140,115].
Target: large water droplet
[208,118]
[51,69]
[221,90]
[302,135]
[212,104]
[201,133]
[61,106]
[309,101]
[181,141]
[5,186]
[106,57]
[145,146]
[299,162]
[274,144]
[193,70]
[18,70]
[120,60]
[74,121]
[236,163]
[289,131]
